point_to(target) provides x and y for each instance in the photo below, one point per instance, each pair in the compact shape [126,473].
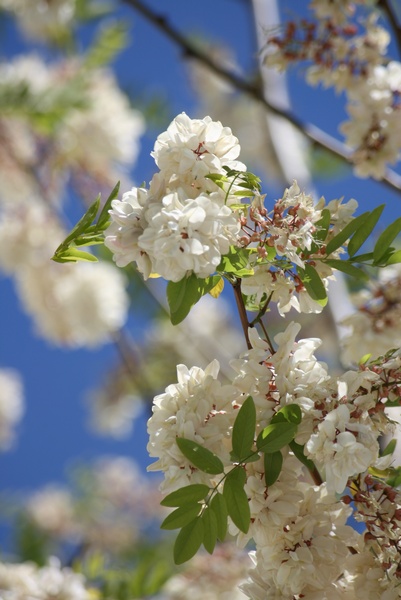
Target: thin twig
[242,311]
[317,136]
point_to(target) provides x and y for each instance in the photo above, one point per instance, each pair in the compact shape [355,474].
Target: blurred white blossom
[11,405]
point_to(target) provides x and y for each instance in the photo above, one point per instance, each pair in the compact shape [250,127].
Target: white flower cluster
[11,405]
[302,540]
[210,577]
[183,223]
[92,133]
[41,19]
[72,305]
[26,581]
[289,228]
[375,327]
[347,60]
[110,509]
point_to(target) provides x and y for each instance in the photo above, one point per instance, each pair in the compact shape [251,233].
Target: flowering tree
[282,450]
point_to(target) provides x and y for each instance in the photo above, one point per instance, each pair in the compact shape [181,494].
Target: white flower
[198,408]
[41,19]
[192,148]
[52,509]
[11,405]
[188,235]
[75,305]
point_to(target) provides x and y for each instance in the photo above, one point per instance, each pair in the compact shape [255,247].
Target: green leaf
[364,230]
[273,464]
[188,541]
[236,262]
[313,284]
[291,412]
[183,294]
[110,40]
[104,216]
[237,500]
[322,227]
[244,429]
[298,451]
[346,267]
[181,516]
[200,457]
[389,449]
[84,222]
[73,255]
[275,436]
[219,507]
[394,258]
[341,237]
[185,495]
[385,240]
[210,529]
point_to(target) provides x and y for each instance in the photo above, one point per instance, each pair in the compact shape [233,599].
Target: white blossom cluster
[93,132]
[72,305]
[341,56]
[110,514]
[11,405]
[27,581]
[290,228]
[375,326]
[183,223]
[42,19]
[300,532]
[209,577]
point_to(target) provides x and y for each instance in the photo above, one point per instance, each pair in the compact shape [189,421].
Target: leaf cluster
[201,511]
[86,232]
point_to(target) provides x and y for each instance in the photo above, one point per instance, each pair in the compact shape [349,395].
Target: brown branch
[242,311]
[317,136]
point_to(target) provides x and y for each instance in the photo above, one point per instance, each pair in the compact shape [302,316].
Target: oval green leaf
[200,457]
[188,541]
[364,230]
[185,495]
[219,507]
[385,240]
[273,464]
[275,436]
[237,500]
[181,516]
[244,429]
[209,529]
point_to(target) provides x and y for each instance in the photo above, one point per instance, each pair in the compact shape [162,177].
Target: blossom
[198,408]
[74,305]
[50,582]
[190,149]
[188,235]
[41,19]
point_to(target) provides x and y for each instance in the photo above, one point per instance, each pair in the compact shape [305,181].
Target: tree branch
[242,311]
[390,13]
[317,136]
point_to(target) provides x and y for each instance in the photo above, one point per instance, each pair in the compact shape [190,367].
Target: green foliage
[236,262]
[313,284]
[219,507]
[273,463]
[200,457]
[298,451]
[188,541]
[275,436]
[183,294]
[190,493]
[209,529]
[364,230]
[111,38]
[32,544]
[86,232]
[181,516]
[244,430]
[341,237]
[347,267]
[237,500]
[385,240]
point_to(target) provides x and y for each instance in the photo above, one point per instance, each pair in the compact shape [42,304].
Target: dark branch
[318,137]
